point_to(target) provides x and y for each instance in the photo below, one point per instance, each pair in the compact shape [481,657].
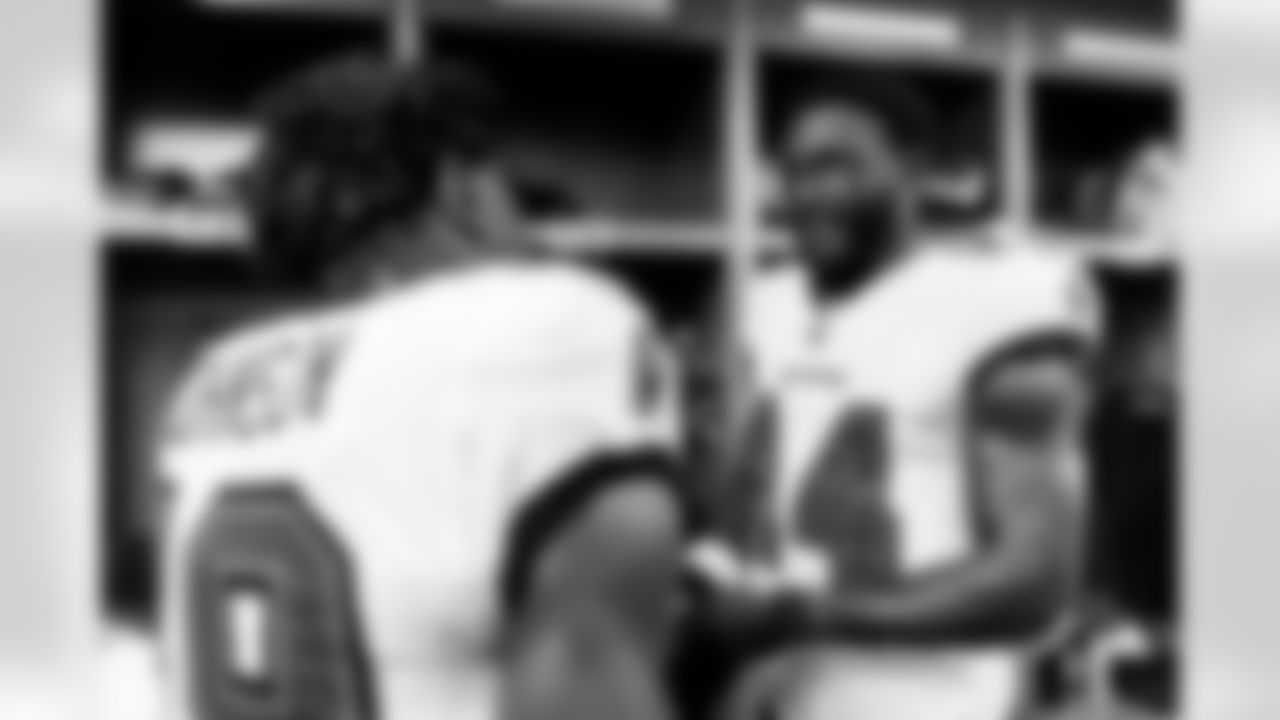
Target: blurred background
[642,133]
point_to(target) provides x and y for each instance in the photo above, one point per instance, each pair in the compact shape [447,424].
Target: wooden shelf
[644,140]
[1108,75]
[136,220]
[1110,249]
[946,39]
[1100,55]
[698,23]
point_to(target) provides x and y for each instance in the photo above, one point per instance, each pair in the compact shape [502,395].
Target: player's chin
[765,687]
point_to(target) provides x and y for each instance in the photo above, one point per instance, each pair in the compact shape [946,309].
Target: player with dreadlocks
[445,492]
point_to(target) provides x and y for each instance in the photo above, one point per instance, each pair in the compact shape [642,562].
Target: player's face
[841,184]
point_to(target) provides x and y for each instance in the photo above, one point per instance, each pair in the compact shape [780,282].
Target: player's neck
[833,285]
[405,257]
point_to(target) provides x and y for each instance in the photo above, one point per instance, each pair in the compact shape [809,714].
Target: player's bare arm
[1026,412]
[590,638]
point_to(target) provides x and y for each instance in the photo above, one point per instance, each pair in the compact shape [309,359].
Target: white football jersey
[346,484]
[875,387]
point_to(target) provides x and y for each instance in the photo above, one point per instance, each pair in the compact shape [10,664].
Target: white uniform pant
[845,684]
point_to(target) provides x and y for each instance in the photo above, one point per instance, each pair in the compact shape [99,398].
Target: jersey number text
[842,509]
[844,505]
[275,633]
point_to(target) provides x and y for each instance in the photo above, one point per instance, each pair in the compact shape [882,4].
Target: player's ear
[450,188]
[476,196]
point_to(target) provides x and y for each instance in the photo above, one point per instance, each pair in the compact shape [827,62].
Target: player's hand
[722,567]
[754,603]
[755,621]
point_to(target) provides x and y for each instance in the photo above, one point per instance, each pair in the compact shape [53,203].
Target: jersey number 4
[843,508]
[844,505]
[275,632]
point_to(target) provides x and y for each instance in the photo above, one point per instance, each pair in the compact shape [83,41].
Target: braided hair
[351,149]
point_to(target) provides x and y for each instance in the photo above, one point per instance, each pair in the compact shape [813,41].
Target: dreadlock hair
[352,148]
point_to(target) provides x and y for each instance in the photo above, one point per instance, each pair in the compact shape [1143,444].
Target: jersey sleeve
[603,381]
[647,363]
[1048,299]
[593,321]
[658,398]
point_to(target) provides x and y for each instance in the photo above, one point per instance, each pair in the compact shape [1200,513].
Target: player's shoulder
[503,313]
[998,303]
[1012,278]
[984,257]
[524,294]
[1054,284]
[568,286]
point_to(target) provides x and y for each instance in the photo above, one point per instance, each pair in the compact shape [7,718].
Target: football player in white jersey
[916,518]
[446,493]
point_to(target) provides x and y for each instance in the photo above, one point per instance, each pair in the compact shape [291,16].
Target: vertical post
[405,30]
[741,119]
[1017,132]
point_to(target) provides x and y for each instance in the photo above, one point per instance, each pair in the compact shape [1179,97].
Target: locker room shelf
[666,118]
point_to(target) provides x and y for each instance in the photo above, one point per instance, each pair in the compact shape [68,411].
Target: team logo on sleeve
[651,371]
[279,384]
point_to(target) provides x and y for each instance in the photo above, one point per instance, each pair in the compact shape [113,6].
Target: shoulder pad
[1053,288]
